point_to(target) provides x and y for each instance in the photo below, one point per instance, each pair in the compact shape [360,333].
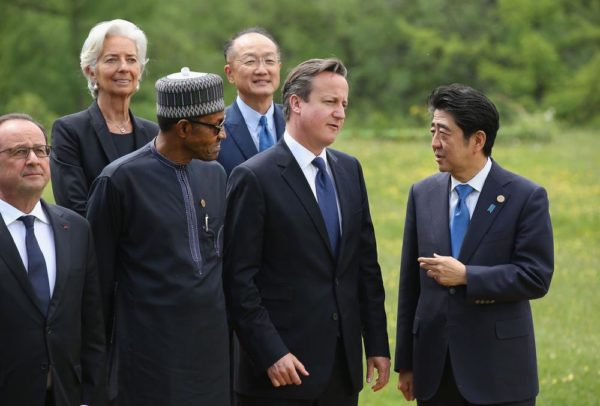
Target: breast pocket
[211,237]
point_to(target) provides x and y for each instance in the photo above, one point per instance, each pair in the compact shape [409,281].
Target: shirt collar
[478,180]
[11,214]
[303,156]
[251,116]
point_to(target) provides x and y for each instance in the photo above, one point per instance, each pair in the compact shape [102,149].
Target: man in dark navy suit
[302,281]
[477,248]
[51,328]
[253,122]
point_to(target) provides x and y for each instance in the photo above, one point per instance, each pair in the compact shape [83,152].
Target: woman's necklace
[122,127]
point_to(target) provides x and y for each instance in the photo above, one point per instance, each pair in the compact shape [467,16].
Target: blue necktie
[460,219]
[264,135]
[327,203]
[36,265]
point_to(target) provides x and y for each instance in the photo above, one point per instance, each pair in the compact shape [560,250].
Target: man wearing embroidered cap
[157,216]
[477,248]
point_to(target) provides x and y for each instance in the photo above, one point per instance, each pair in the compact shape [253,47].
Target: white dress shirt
[476,183]
[252,118]
[304,158]
[43,234]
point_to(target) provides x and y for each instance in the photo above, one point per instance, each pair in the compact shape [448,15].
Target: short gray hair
[92,47]
[299,80]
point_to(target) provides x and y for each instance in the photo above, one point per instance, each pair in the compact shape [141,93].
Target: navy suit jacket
[486,326]
[285,289]
[81,148]
[69,341]
[239,146]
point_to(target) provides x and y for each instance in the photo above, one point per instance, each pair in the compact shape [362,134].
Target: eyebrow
[444,126]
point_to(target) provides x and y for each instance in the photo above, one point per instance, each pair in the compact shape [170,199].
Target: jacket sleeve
[409,290]
[242,263]
[93,340]
[69,183]
[528,273]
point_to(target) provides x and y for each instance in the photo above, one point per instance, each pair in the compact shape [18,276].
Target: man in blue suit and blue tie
[253,122]
[477,248]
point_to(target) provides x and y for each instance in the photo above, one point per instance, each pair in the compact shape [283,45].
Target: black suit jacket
[285,289]
[238,146]
[486,326]
[70,340]
[81,148]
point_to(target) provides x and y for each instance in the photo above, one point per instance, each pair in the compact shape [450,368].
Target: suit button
[334,316]
[48,331]
[337,282]
[452,291]
[44,367]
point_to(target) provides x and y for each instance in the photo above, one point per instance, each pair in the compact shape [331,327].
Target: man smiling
[253,122]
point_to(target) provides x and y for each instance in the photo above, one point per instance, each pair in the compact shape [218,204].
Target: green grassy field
[566,320]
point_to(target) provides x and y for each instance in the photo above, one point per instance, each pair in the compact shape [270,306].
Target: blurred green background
[537,60]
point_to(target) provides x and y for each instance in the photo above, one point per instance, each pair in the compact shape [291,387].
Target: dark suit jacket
[486,326]
[285,289]
[238,146]
[70,341]
[82,147]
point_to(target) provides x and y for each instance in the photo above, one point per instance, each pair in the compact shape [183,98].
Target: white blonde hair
[92,47]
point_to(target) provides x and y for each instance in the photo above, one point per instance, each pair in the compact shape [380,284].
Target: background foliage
[530,57]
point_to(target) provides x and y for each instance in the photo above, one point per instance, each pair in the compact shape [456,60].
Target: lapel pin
[491,208]
[500,199]
[65,226]
[202,203]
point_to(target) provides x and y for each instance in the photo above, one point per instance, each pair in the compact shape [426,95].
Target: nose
[31,157]
[222,134]
[435,141]
[123,65]
[340,112]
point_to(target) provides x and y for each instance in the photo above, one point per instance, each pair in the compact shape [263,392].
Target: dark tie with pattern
[36,267]
[460,219]
[264,135]
[327,203]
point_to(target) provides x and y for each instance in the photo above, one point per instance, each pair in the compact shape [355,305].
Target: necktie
[460,219]
[264,135]
[327,203]
[36,267]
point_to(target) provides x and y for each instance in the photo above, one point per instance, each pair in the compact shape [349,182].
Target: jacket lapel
[294,177]
[487,209]
[62,247]
[343,186]
[141,135]
[102,133]
[10,255]
[438,207]
[237,130]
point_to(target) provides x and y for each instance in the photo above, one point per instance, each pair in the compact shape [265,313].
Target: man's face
[253,67]
[205,140]
[322,116]
[21,177]
[452,153]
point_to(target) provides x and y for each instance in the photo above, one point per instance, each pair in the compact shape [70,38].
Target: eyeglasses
[217,128]
[41,151]
[254,62]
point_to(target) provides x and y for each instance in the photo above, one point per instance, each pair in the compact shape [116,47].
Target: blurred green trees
[531,57]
